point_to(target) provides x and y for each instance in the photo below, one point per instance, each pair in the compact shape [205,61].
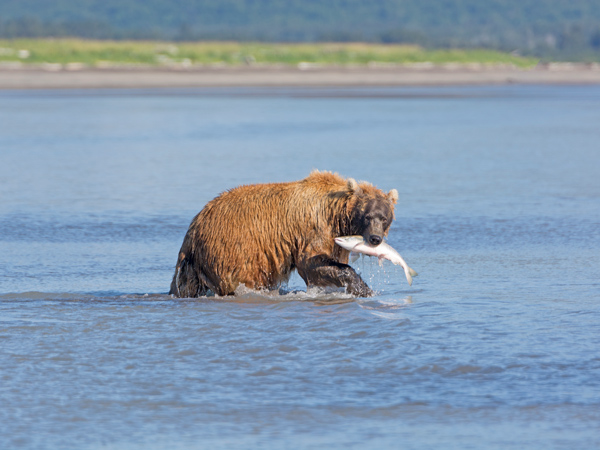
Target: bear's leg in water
[322,271]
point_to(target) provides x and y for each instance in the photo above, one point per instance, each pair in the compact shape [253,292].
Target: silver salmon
[382,251]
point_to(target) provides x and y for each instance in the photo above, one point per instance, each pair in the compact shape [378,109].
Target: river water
[495,346]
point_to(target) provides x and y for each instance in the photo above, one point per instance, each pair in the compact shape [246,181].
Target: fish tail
[408,276]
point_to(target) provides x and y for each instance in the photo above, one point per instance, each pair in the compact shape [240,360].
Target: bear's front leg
[323,271]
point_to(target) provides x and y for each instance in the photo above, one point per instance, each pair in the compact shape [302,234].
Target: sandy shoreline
[80,78]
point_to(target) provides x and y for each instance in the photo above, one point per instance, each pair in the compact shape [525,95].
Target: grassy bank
[148,53]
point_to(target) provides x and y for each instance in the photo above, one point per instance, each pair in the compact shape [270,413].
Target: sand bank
[53,77]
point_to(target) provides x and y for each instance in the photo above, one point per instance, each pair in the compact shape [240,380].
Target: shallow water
[495,345]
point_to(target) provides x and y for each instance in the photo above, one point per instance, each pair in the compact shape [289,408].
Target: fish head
[348,242]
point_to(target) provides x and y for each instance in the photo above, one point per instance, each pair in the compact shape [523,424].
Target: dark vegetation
[554,29]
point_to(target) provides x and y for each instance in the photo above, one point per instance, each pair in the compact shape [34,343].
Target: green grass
[96,53]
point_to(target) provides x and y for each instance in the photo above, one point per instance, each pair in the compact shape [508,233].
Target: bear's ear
[353,186]
[393,196]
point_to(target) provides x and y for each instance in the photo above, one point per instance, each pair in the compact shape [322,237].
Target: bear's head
[373,211]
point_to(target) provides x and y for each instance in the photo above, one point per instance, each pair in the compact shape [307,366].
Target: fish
[357,244]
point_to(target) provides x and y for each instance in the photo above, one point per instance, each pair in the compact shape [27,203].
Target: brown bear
[257,235]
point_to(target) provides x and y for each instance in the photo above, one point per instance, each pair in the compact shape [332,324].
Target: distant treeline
[539,27]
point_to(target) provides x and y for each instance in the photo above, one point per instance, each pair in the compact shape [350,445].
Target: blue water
[495,346]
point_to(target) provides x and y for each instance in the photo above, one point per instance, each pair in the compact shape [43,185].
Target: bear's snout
[375,240]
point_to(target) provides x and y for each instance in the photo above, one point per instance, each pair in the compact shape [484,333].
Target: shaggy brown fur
[258,234]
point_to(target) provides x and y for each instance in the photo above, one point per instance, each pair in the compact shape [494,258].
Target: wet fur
[258,234]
